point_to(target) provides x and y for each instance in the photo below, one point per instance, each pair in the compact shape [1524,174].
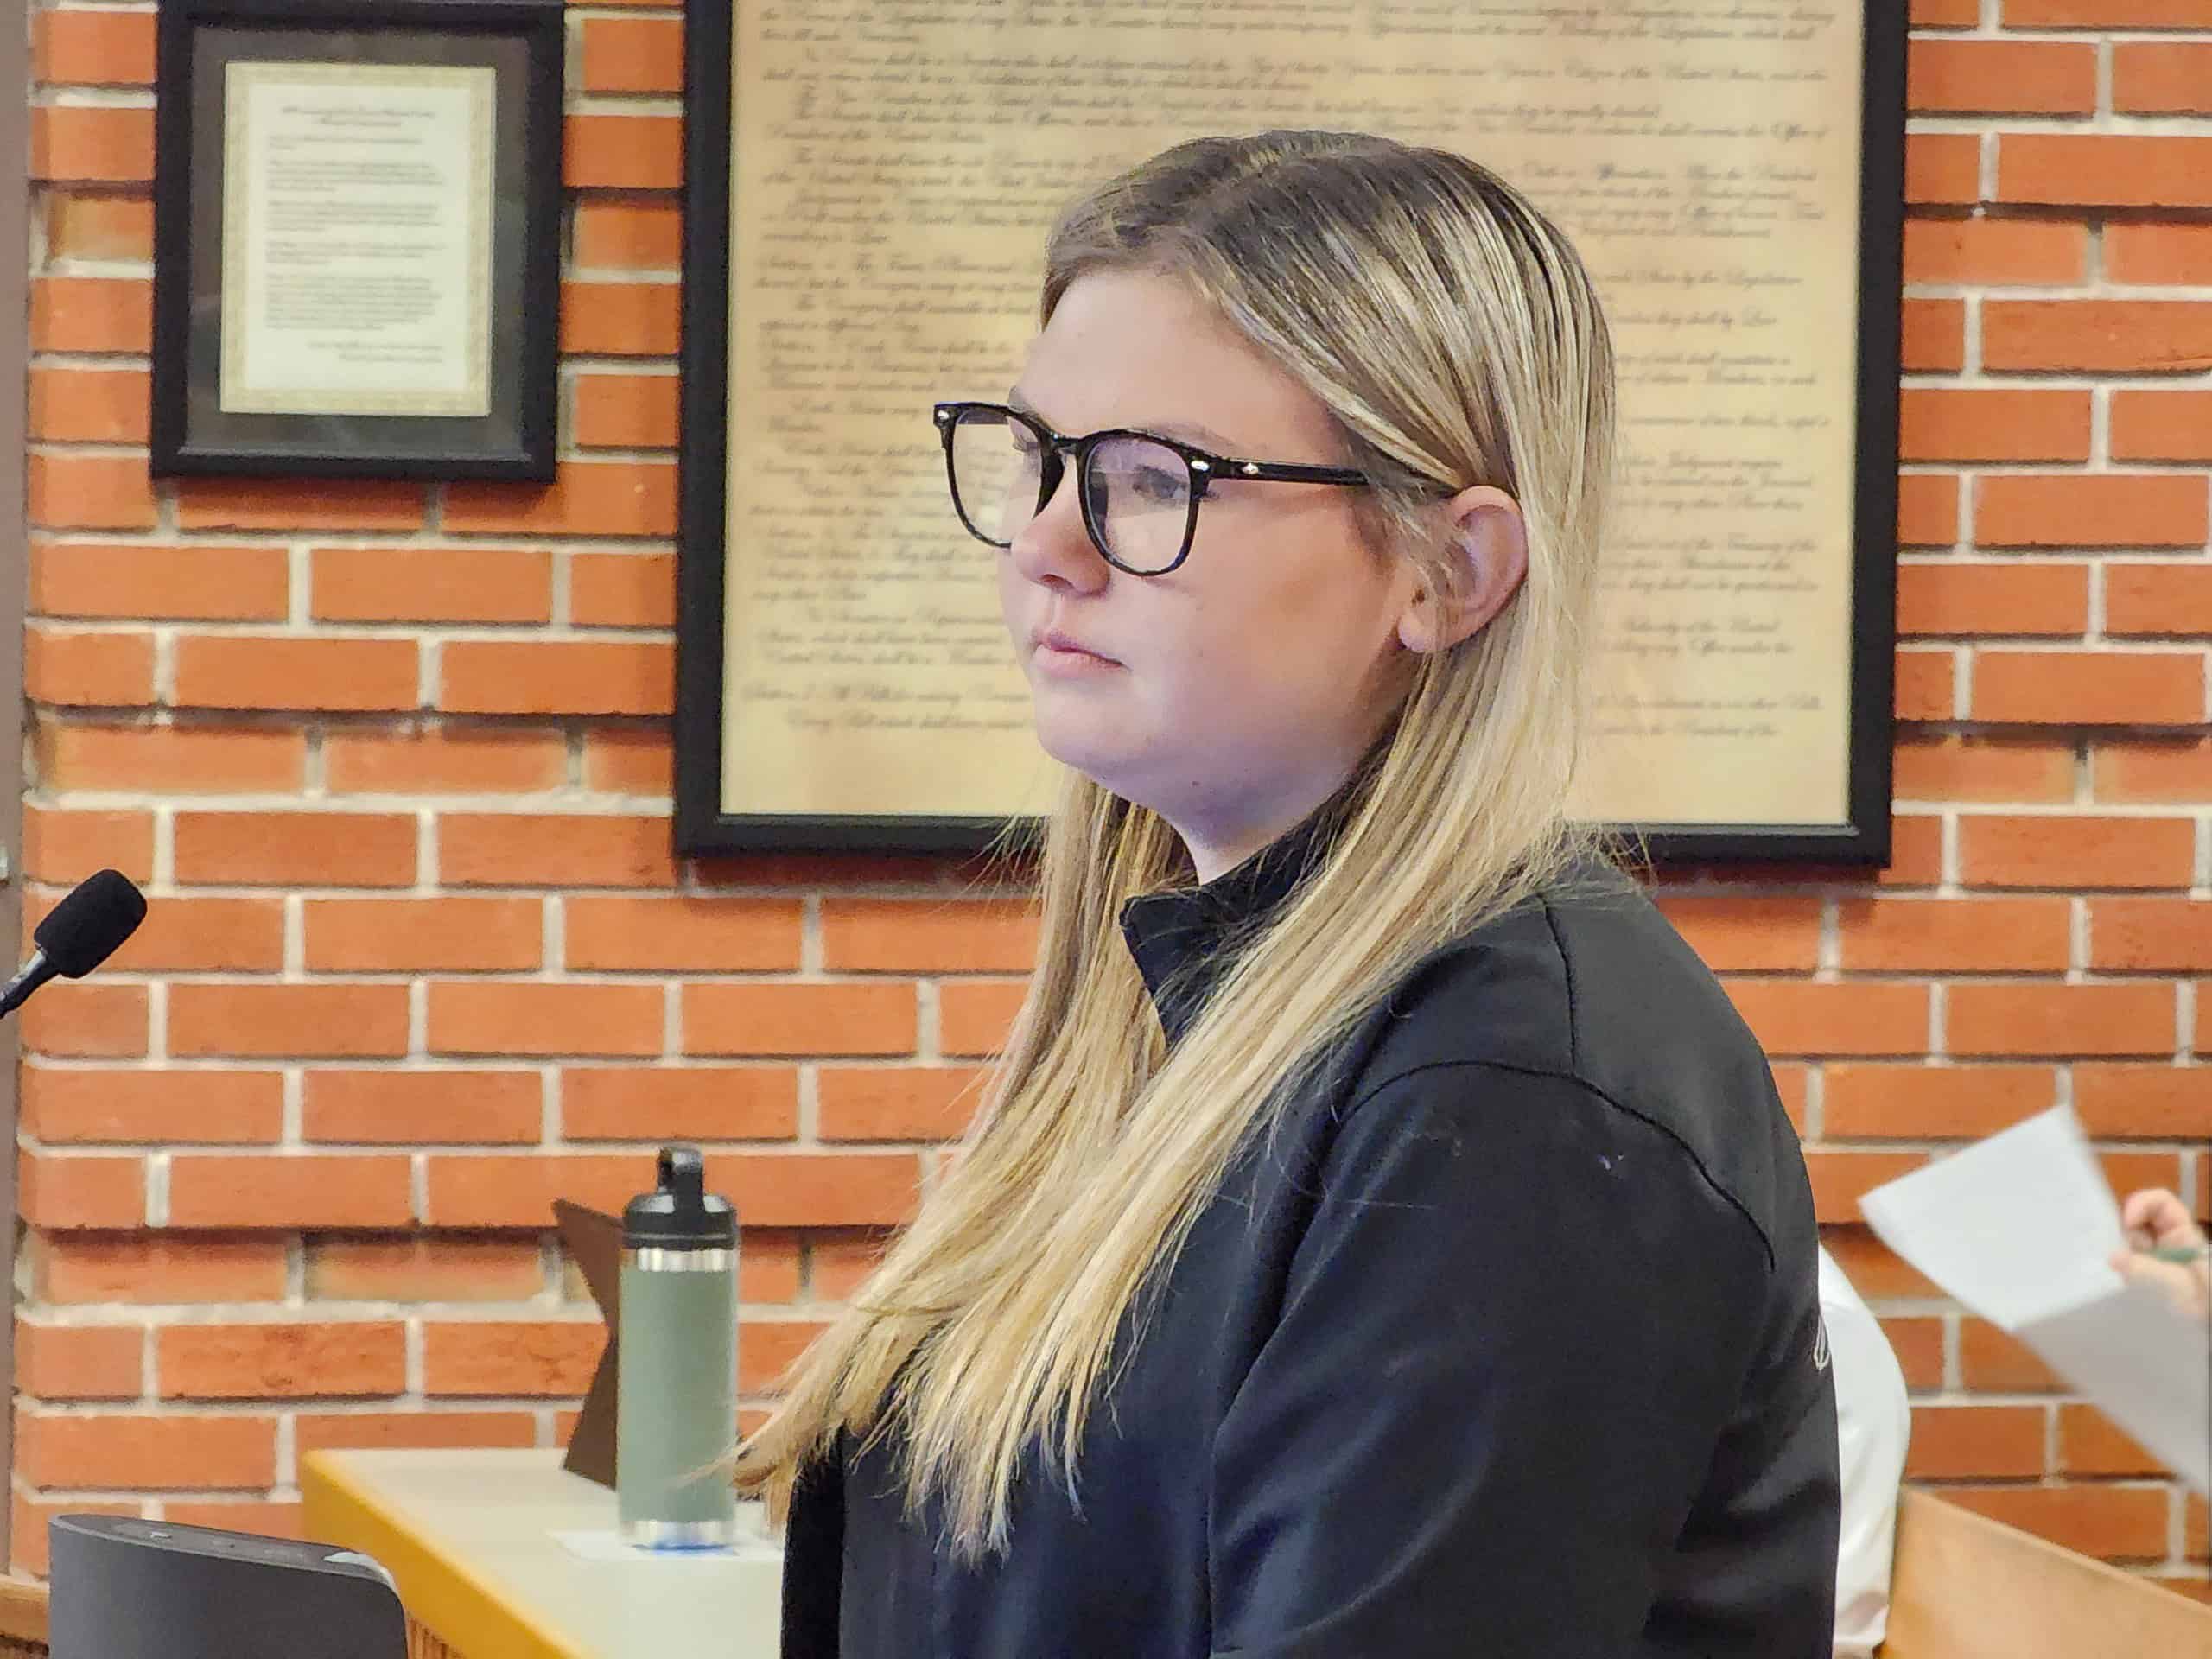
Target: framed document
[866,205]
[357,237]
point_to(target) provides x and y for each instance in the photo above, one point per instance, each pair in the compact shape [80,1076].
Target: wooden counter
[469,1537]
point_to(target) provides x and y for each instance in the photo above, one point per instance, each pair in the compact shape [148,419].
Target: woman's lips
[1063,653]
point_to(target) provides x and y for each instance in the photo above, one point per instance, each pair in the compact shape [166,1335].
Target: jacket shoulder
[1589,982]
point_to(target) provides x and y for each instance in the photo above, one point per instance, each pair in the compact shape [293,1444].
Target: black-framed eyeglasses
[1139,491]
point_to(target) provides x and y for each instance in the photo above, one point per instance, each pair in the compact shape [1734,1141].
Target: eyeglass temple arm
[1278,471]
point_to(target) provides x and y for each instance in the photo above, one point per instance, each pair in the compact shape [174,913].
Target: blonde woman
[1381,1238]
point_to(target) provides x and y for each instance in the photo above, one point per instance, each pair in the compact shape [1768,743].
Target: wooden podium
[1968,1587]
[470,1537]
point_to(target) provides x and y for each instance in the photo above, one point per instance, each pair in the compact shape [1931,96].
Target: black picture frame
[703,826]
[523,42]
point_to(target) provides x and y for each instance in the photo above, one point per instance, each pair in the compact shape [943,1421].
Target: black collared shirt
[1506,1346]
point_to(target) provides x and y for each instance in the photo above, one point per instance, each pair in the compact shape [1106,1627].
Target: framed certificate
[357,237]
[867,206]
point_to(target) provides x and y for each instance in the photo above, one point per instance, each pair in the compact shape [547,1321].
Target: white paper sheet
[2020,1228]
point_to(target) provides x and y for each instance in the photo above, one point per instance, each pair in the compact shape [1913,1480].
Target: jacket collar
[1184,940]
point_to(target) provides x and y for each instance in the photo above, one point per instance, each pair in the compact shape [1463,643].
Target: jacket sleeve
[814,1559]
[1510,1336]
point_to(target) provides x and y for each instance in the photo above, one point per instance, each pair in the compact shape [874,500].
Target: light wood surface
[23,1618]
[469,1538]
[1968,1587]
[22,1612]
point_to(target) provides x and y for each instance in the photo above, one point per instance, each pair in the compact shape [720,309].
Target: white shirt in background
[1874,1423]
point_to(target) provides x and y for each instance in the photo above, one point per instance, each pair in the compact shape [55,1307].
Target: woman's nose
[1054,547]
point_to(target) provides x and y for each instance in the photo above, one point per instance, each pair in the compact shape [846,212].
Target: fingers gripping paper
[2020,1228]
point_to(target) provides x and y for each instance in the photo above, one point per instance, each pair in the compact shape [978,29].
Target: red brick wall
[393,760]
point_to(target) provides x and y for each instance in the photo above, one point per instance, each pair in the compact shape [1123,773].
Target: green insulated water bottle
[676,1366]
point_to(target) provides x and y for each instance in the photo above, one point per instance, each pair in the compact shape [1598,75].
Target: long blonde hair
[1456,339]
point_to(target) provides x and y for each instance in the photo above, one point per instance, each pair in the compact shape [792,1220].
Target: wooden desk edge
[458,1606]
[22,1609]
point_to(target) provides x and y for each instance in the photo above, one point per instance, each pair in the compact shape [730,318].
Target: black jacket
[1506,1346]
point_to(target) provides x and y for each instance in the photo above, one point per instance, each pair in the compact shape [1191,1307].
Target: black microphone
[78,934]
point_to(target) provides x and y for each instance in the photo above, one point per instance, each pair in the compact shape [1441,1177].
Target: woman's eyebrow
[1192,432]
[1189,431]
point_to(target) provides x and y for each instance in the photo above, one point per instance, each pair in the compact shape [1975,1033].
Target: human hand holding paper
[2166,1249]
[2021,1229]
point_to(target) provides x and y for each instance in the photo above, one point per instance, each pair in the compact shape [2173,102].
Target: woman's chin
[1102,755]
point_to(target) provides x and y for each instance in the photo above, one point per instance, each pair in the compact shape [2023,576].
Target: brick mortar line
[333,631]
[577,101]
[2077,644]
[109,360]
[355,1310]
[166,539]
[359,1312]
[1929,638]
[1999,124]
[2177,1145]
[435,1064]
[347,540]
[597,977]
[2052,380]
[2142,297]
[87,95]
[514,805]
[1985,558]
[1990,28]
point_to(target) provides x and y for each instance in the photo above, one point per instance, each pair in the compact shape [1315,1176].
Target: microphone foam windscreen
[84,930]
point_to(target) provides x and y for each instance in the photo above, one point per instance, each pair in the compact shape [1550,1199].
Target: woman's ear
[1489,560]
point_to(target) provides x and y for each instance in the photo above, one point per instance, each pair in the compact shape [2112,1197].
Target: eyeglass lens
[1139,491]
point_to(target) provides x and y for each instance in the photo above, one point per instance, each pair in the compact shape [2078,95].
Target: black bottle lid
[679,1214]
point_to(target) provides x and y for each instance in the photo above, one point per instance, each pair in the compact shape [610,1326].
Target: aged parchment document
[894,167]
